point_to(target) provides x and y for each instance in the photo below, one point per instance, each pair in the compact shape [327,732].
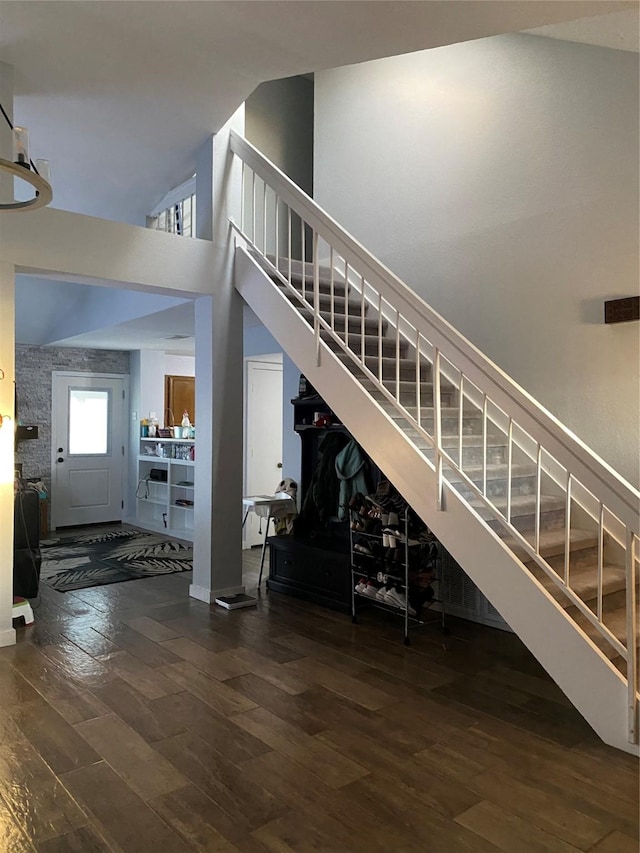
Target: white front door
[88,448]
[263,439]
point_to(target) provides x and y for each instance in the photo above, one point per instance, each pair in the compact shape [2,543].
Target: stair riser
[370,324]
[472,456]
[579,558]
[324,287]
[497,487]
[551,520]
[407,371]
[325,304]
[371,350]
[475,455]
[449,424]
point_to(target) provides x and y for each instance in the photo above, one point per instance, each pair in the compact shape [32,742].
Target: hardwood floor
[136,719]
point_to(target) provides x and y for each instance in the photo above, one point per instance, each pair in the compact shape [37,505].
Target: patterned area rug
[94,559]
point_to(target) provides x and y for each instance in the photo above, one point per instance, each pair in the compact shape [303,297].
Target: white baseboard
[8,637]
[209,595]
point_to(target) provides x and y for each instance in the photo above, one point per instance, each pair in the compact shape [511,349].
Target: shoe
[381,593]
[371,590]
[363,549]
[398,599]
[361,586]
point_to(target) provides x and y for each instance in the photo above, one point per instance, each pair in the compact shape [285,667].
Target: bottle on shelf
[186,425]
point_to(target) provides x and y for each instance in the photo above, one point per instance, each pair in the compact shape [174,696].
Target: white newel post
[217,566]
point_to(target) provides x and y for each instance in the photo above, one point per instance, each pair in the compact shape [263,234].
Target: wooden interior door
[179,396]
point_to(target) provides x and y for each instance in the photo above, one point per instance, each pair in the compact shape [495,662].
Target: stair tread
[615,621]
[387,360]
[552,542]
[324,272]
[326,297]
[495,471]
[583,581]
[520,505]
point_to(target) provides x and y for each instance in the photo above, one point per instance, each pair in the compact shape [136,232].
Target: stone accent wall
[34,366]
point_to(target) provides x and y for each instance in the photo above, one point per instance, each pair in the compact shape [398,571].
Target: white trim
[174,196]
[8,637]
[209,596]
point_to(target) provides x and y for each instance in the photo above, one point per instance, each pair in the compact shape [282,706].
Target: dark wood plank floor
[136,719]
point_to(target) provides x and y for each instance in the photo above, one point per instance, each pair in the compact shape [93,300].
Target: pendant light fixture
[36,174]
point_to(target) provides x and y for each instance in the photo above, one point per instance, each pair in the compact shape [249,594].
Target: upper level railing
[279,221]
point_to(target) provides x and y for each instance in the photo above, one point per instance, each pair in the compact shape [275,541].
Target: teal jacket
[351,468]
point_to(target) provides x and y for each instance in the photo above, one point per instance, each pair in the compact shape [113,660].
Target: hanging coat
[351,468]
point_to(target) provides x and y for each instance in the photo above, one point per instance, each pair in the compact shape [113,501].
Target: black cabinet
[317,571]
[314,563]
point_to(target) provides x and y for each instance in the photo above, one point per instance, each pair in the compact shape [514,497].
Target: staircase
[546,531]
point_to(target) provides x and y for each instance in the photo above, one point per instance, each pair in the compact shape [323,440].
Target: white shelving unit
[166,506]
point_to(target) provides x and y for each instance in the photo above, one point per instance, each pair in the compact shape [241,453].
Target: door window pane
[88,422]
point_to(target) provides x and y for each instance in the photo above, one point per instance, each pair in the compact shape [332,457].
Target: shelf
[168,440]
[398,611]
[158,511]
[331,428]
[152,501]
[374,577]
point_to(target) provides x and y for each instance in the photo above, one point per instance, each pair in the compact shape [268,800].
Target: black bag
[158,474]
[26,544]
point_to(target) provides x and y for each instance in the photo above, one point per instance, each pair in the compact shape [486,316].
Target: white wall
[154,366]
[499,178]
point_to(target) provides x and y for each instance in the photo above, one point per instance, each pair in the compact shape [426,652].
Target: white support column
[217,566]
[7,400]
[7,383]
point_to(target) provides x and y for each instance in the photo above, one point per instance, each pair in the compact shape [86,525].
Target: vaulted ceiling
[119,96]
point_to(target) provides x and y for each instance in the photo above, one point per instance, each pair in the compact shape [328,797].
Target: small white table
[267,506]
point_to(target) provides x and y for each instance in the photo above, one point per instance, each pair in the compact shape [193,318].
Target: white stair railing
[279,220]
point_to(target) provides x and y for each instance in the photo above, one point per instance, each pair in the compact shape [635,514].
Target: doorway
[88,448]
[263,436]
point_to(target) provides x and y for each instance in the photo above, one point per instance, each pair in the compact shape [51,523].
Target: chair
[269,507]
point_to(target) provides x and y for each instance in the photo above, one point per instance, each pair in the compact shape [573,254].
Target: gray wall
[499,179]
[279,122]
[34,366]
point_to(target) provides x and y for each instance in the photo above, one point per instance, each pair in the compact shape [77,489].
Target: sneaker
[398,599]
[381,593]
[363,549]
[370,591]
[361,586]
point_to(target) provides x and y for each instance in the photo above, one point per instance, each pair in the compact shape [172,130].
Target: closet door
[263,450]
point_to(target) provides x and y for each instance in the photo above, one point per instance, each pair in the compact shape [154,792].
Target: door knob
[60,450]
[279,465]
[60,459]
